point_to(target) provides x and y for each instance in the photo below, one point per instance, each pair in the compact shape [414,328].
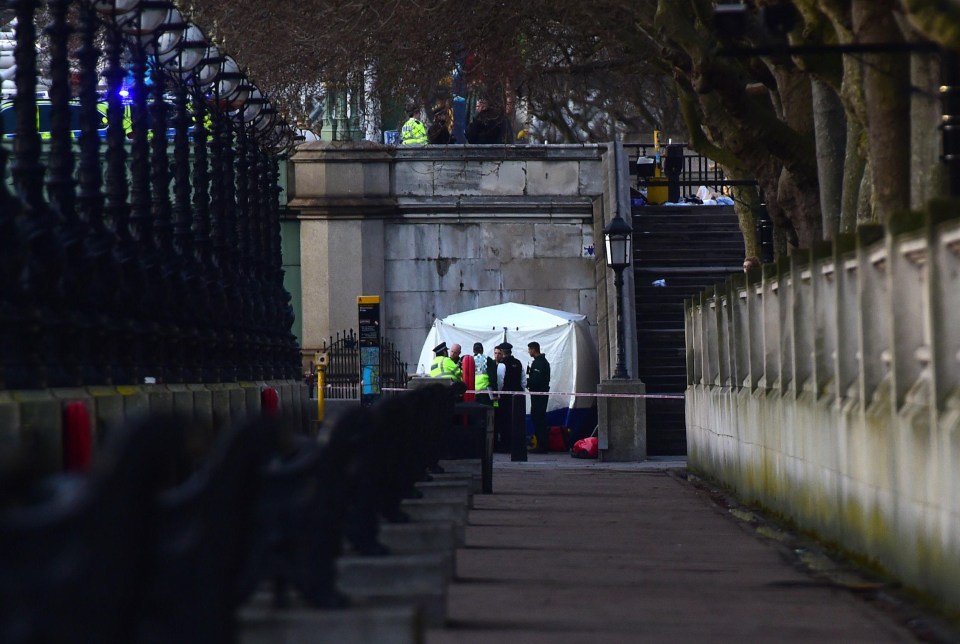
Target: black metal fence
[342,373]
[688,169]
[159,259]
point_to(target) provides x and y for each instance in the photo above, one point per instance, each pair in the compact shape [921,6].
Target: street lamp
[618,238]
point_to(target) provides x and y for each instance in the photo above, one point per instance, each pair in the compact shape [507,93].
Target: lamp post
[618,239]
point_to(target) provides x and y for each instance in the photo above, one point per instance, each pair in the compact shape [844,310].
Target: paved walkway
[577,551]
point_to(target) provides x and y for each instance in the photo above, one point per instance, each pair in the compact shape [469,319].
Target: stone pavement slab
[261,624]
[579,551]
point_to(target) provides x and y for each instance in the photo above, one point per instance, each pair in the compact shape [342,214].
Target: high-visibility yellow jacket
[481,379]
[444,367]
[413,132]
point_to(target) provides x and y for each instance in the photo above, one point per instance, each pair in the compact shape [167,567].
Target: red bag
[585,448]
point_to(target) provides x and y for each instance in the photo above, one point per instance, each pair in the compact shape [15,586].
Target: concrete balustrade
[827,387]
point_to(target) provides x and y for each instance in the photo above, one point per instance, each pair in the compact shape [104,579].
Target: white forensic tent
[564,339]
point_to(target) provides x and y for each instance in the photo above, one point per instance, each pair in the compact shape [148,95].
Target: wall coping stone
[353,151]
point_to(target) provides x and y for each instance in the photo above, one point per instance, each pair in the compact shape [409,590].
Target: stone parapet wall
[827,387]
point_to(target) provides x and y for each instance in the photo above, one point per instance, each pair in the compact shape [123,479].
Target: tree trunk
[927,173]
[799,197]
[865,210]
[887,96]
[831,136]
[854,166]
[746,201]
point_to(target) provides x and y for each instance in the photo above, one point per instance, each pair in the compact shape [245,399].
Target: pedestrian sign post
[321,365]
[368,308]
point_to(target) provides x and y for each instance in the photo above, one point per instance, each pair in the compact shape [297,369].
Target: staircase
[678,252]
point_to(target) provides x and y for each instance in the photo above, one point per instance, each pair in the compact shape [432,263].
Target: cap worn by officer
[440,348]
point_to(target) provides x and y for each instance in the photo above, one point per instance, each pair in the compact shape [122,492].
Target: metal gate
[342,373]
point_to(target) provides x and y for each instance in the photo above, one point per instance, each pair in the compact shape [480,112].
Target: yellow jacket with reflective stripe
[481,379]
[413,132]
[444,367]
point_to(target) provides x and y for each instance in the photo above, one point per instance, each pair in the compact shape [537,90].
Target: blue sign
[368,309]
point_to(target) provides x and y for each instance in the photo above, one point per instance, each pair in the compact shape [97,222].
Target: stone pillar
[340,192]
[341,259]
[623,422]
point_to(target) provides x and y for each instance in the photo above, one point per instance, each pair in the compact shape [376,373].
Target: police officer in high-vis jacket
[485,378]
[413,131]
[443,366]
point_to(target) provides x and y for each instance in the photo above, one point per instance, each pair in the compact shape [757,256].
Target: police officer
[512,378]
[442,366]
[486,374]
[538,379]
[413,131]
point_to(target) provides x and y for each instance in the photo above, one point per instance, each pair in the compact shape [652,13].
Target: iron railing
[342,372]
[107,276]
[695,169]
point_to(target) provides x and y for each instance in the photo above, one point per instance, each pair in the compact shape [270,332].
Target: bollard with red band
[77,438]
[269,402]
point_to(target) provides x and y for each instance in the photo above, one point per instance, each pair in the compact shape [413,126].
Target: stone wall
[34,422]
[827,387]
[441,229]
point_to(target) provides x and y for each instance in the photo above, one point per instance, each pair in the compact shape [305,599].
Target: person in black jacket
[512,408]
[439,131]
[489,125]
[538,379]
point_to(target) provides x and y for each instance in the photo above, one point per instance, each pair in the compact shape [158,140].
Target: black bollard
[75,551]
[361,520]
[518,427]
[300,524]
[204,530]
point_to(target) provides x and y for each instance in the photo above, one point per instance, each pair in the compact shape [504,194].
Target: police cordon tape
[559,393]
